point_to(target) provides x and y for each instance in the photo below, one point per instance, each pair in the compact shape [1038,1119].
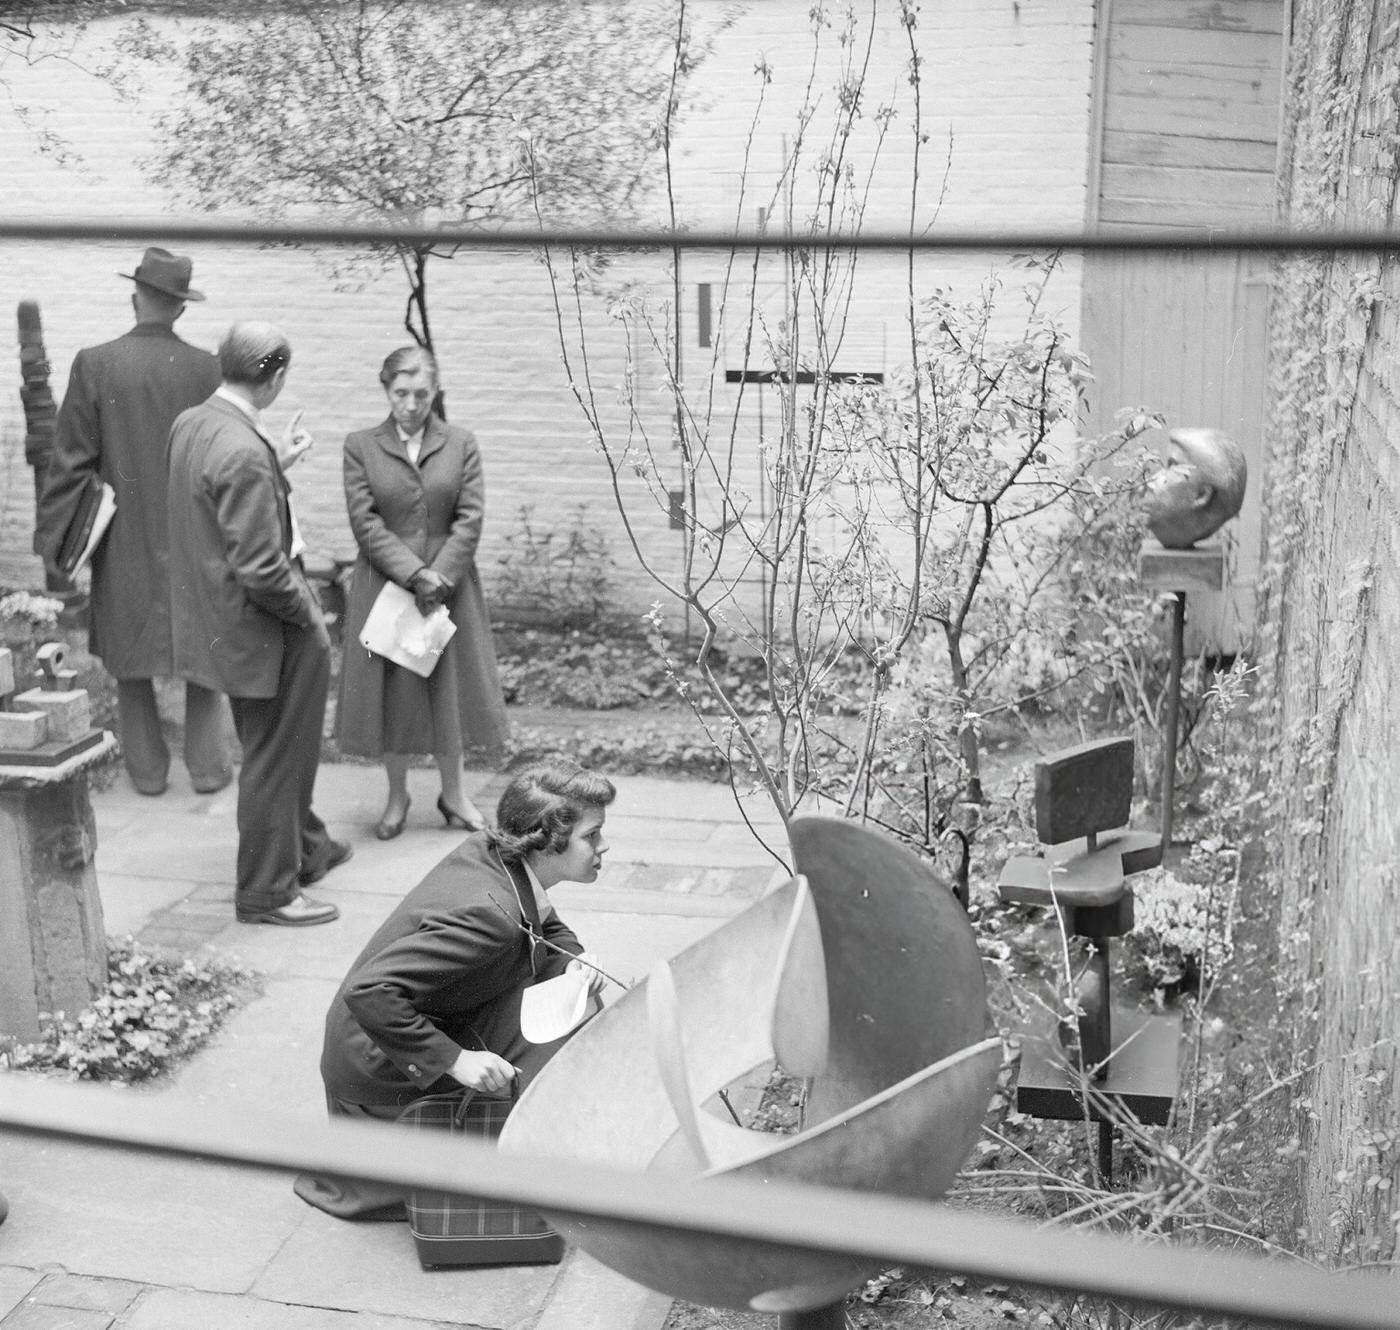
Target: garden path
[100,1238]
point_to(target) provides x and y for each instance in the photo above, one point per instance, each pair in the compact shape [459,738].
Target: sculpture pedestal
[1140,1078]
[1200,568]
[53,951]
[1177,571]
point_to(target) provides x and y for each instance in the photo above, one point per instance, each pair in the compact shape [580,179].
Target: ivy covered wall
[1329,623]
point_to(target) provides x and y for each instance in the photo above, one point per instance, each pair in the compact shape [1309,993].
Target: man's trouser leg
[281,738]
[144,750]
[206,745]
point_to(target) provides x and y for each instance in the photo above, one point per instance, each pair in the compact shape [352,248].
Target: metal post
[1106,1152]
[1173,718]
[831,1317]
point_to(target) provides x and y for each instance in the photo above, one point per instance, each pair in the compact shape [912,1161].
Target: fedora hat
[166,272]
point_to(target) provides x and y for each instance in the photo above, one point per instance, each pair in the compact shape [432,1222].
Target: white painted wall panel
[1006,89]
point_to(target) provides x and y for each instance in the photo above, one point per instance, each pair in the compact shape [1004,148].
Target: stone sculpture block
[21,731]
[69,710]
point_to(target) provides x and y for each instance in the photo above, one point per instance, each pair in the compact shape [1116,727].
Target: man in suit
[246,623]
[114,423]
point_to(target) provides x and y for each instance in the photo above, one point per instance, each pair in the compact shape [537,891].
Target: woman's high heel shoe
[386,830]
[456,820]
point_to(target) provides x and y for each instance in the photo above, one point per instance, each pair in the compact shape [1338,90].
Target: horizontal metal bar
[887,1229]
[1214,240]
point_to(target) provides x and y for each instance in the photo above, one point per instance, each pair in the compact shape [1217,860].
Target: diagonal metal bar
[888,1229]
[1220,240]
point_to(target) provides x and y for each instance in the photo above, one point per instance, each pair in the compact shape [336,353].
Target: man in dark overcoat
[247,623]
[115,421]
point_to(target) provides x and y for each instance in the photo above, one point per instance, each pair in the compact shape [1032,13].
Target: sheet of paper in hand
[548,1011]
[395,630]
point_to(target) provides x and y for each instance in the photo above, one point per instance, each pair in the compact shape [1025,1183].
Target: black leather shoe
[337,852]
[299,912]
[386,830]
[456,820]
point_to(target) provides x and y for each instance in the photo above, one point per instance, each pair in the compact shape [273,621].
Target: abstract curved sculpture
[861,973]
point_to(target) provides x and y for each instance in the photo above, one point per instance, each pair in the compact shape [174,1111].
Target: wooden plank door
[1186,117]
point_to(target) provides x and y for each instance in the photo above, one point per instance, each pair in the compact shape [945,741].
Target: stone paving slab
[205,918]
[38,1316]
[680,854]
[184,1309]
[373,1268]
[145,853]
[388,867]
[589,1296]
[651,796]
[570,898]
[638,831]
[736,836]
[84,1293]
[274,1041]
[129,902]
[744,883]
[154,1219]
[351,794]
[15,1283]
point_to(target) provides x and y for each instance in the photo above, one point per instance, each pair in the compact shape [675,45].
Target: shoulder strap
[529,910]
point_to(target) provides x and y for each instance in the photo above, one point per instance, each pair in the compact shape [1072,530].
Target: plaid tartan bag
[449,1229]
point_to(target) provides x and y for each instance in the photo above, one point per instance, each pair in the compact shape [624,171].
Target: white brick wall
[1007,84]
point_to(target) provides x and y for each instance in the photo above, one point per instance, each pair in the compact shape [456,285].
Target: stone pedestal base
[53,951]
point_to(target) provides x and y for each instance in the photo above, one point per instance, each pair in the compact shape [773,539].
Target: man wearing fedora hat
[122,399]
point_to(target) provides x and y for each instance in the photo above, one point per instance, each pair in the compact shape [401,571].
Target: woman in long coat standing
[414,490]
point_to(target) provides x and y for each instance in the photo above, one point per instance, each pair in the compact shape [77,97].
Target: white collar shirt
[541,896]
[412,443]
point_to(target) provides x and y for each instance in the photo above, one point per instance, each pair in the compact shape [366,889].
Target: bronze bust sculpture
[1198,490]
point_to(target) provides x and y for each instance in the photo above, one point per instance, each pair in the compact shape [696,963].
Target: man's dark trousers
[279,837]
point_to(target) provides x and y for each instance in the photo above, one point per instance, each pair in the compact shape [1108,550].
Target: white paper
[395,630]
[548,1011]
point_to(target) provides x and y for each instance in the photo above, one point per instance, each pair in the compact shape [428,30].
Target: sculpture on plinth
[1106,1064]
[53,951]
[1199,489]
[860,975]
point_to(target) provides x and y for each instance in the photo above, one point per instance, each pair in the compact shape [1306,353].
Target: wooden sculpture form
[861,973]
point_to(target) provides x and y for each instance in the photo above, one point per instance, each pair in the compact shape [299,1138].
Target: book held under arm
[94,513]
